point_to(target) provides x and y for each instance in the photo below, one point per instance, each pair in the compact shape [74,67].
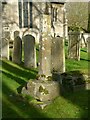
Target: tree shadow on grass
[84,50]
[85,59]
[14,106]
[17,79]
[21,76]
[17,71]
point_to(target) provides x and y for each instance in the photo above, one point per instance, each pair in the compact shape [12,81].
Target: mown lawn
[69,105]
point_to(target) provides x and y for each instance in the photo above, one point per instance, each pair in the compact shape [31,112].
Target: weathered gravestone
[88,42]
[17,48]
[45,56]
[58,55]
[5,45]
[29,51]
[44,89]
[74,45]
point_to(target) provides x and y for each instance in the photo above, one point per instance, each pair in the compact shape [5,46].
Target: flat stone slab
[42,90]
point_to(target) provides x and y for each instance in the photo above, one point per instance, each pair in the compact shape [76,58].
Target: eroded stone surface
[74,45]
[45,48]
[5,45]
[17,49]
[42,90]
[29,51]
[58,55]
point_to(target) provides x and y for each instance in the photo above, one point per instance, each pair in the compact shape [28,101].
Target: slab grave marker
[17,48]
[58,55]
[74,45]
[29,51]
[5,45]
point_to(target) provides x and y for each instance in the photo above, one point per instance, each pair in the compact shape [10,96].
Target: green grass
[81,65]
[69,105]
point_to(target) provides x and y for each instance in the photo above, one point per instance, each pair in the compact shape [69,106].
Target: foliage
[77,14]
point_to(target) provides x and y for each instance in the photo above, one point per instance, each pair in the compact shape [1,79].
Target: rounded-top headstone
[29,51]
[17,49]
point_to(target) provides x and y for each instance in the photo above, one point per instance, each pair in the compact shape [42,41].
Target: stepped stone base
[42,90]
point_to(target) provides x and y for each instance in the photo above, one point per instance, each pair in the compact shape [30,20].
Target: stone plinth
[29,51]
[42,90]
[17,49]
[58,55]
[74,45]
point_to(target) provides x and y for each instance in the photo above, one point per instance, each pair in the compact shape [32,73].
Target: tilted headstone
[74,45]
[5,45]
[29,51]
[17,49]
[58,55]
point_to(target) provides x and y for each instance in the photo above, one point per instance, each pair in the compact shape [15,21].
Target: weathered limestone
[29,51]
[45,56]
[43,91]
[74,45]
[17,49]
[45,48]
[5,45]
[58,55]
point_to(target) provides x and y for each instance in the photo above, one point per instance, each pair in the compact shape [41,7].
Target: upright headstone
[29,51]
[58,55]
[45,48]
[88,46]
[5,45]
[74,45]
[17,48]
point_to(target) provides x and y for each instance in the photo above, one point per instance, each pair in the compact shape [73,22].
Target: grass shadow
[20,75]
[85,59]
[83,50]
[13,106]
[20,72]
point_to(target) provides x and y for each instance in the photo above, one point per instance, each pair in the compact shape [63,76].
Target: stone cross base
[43,91]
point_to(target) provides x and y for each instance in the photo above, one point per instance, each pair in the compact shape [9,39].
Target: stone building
[26,17]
